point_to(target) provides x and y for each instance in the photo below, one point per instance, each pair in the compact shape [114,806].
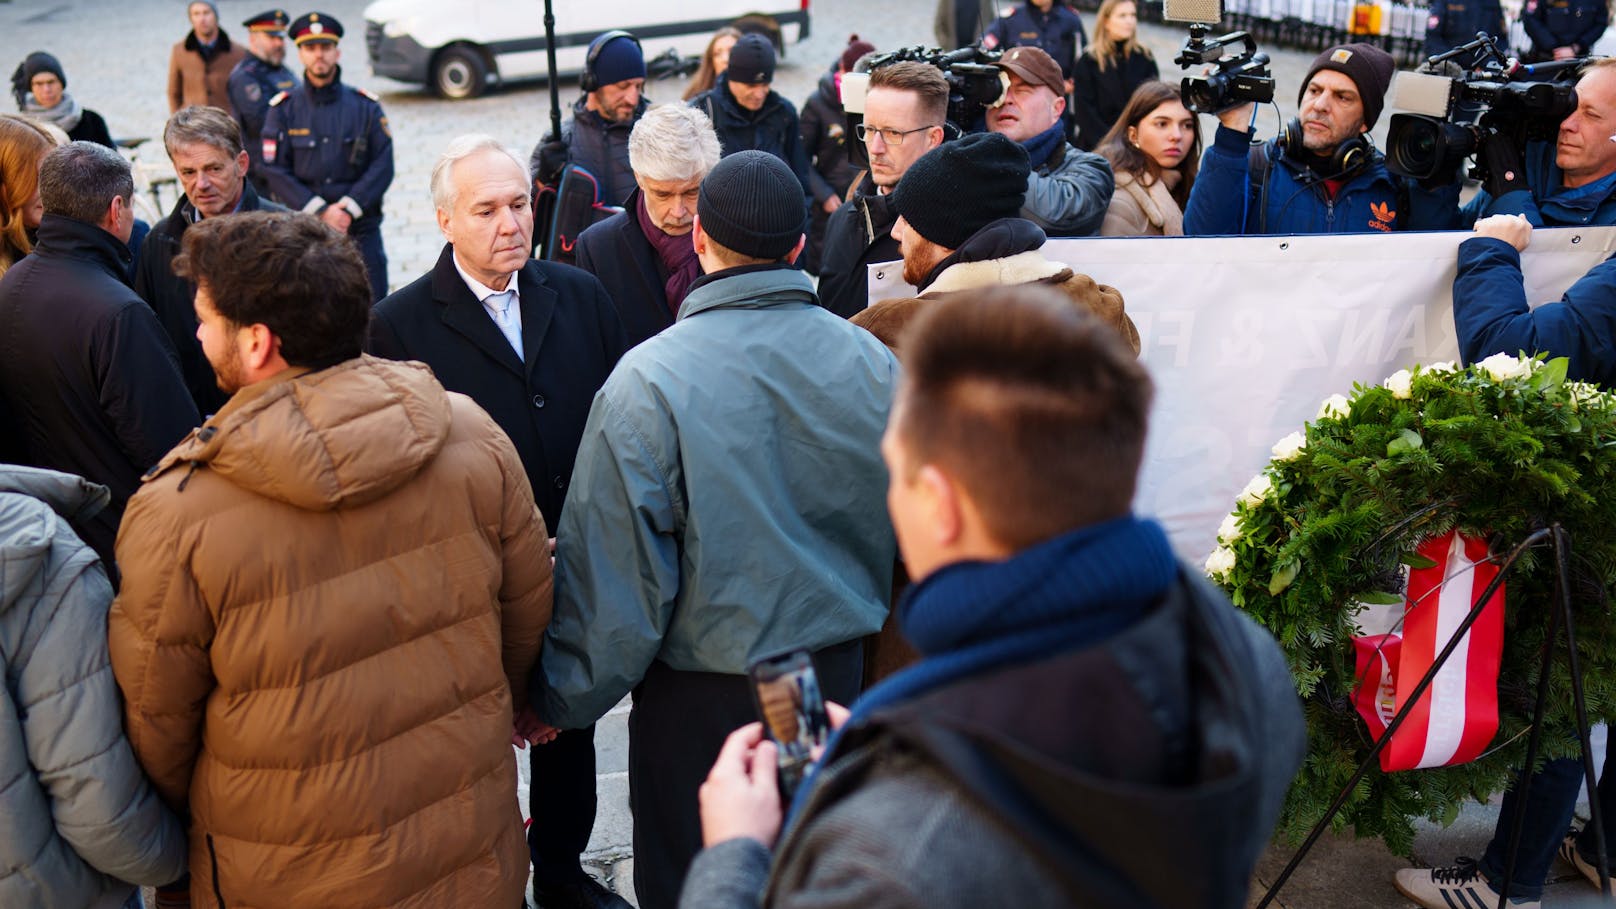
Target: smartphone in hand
[786,691]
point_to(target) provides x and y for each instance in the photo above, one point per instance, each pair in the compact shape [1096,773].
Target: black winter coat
[1099,96]
[600,147]
[831,173]
[171,296]
[859,234]
[773,128]
[572,339]
[615,251]
[89,373]
[91,128]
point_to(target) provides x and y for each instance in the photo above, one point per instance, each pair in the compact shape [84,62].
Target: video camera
[1239,79]
[1451,115]
[974,83]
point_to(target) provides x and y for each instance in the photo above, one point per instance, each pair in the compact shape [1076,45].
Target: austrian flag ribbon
[1457,717]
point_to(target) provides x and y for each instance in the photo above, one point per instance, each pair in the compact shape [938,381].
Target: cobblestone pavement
[115,53]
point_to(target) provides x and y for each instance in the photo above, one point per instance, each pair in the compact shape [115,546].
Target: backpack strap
[1258,168]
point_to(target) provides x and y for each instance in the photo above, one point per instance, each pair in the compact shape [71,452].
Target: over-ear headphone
[1351,156]
[587,81]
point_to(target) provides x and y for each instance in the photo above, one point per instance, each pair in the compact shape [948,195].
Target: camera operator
[1068,191]
[1568,183]
[1321,175]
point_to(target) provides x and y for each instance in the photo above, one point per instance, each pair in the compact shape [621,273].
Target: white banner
[1245,336]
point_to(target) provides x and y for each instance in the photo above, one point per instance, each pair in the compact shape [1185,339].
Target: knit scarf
[678,256]
[1041,146]
[973,617]
[65,115]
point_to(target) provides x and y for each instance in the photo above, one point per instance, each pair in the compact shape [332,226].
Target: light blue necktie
[502,306]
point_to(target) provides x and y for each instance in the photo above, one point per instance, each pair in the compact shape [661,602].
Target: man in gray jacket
[79,823]
[726,504]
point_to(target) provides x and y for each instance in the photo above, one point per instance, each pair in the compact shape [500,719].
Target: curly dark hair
[287,271]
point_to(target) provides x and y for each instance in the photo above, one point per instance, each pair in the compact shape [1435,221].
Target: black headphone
[1351,156]
[587,80]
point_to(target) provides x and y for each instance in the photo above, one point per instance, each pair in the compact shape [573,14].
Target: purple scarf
[678,255]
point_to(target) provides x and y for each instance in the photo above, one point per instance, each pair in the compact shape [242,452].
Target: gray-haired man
[643,254]
[83,362]
[206,147]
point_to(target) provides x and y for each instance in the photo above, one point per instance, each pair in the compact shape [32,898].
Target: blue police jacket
[1455,22]
[1059,32]
[252,84]
[1576,24]
[323,145]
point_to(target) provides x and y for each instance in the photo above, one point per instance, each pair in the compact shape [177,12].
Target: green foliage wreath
[1499,450]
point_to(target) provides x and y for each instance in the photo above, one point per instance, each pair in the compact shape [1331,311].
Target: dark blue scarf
[971,617]
[1041,146]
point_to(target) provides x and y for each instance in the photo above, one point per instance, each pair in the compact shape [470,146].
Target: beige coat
[192,81]
[332,593]
[1144,211]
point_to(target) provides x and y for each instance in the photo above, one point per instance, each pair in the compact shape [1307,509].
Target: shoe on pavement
[1568,852]
[1458,887]
[582,893]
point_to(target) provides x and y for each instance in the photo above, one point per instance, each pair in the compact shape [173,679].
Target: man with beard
[596,138]
[199,66]
[1321,174]
[327,149]
[643,255]
[904,112]
[205,146]
[255,80]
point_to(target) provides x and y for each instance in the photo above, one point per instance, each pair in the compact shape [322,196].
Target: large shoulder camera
[1452,114]
[974,83]
[1236,79]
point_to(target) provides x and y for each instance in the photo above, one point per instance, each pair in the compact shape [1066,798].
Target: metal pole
[1562,564]
[555,89]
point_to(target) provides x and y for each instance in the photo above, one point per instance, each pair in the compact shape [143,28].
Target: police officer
[259,77]
[1048,24]
[1562,29]
[326,146]
[1456,22]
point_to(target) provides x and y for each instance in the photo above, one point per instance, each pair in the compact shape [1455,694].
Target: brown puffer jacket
[887,319]
[333,590]
[192,80]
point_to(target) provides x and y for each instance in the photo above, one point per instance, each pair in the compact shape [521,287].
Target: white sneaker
[1458,887]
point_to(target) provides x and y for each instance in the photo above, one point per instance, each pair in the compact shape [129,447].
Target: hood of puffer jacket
[26,531]
[337,437]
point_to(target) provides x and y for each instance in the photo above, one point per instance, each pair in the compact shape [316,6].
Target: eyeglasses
[892,137]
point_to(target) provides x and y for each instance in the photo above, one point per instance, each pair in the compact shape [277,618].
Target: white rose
[1229,530]
[1256,490]
[1334,406]
[1444,366]
[1220,563]
[1401,384]
[1290,447]
[1503,366]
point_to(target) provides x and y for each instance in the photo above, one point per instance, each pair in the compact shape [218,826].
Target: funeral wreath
[1335,522]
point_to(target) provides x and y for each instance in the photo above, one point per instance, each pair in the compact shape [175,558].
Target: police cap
[273,21]
[315,27]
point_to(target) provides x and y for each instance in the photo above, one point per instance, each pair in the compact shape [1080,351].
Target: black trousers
[679,722]
[561,801]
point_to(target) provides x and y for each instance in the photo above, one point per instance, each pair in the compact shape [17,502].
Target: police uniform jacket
[1455,22]
[324,144]
[197,79]
[1576,24]
[1059,32]
[571,337]
[252,84]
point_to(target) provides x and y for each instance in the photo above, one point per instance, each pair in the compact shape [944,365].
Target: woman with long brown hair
[23,144]
[1155,152]
[714,60]
[1107,73]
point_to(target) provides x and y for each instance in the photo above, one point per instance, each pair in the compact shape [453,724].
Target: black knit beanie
[751,61]
[22,79]
[960,187]
[753,204]
[1369,68]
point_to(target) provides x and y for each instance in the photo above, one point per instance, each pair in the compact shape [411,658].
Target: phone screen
[786,691]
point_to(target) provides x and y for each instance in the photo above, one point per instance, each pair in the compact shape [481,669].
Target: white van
[459,48]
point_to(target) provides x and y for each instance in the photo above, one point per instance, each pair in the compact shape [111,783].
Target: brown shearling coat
[333,593]
[191,80]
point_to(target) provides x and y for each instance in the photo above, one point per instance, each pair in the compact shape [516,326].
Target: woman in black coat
[1108,72]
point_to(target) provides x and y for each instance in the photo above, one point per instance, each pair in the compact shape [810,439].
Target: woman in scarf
[40,87]
[1155,151]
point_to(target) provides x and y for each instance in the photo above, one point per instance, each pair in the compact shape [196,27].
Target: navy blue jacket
[309,149]
[600,147]
[252,84]
[1455,22]
[615,251]
[773,128]
[1491,313]
[1576,24]
[1548,203]
[1059,32]
[571,337]
[1295,199]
